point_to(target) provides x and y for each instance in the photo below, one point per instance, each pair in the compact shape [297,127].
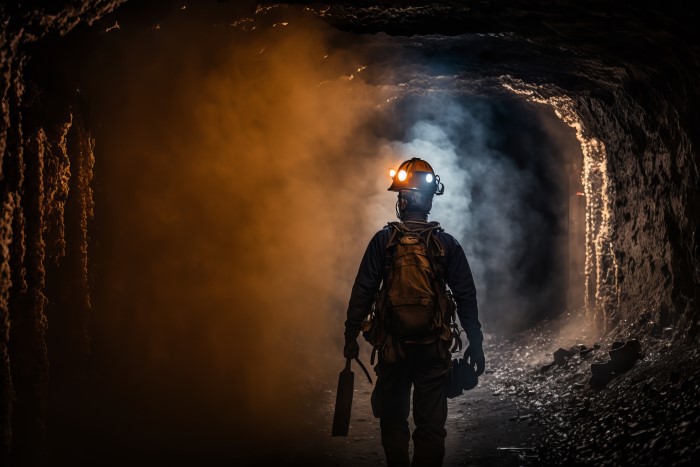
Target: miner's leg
[390,402]
[429,407]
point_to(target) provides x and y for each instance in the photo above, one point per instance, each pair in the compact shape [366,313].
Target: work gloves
[475,354]
[352,348]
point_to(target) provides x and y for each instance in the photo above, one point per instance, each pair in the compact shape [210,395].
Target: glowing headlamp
[415,175]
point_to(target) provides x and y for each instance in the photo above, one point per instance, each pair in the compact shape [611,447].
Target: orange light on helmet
[402,175]
[392,172]
[429,178]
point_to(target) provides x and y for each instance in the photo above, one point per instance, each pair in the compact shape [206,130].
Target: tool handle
[361,366]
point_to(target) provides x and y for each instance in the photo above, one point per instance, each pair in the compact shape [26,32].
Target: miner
[412,277]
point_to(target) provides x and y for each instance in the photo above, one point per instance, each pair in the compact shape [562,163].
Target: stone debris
[622,357]
[646,413]
[561,356]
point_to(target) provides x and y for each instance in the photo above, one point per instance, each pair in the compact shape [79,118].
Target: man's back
[407,363]
[458,277]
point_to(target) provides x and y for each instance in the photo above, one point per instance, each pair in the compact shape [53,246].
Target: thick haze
[239,176]
[231,179]
[505,195]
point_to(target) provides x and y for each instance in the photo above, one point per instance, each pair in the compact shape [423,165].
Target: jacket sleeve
[367,282]
[459,279]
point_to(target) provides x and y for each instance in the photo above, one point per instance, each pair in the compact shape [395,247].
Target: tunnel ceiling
[556,42]
[536,19]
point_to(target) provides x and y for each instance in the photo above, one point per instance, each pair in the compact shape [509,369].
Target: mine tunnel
[188,188]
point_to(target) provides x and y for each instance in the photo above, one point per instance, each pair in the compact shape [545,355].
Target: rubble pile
[619,401]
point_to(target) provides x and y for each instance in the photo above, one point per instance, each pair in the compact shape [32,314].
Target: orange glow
[402,175]
[208,305]
[392,172]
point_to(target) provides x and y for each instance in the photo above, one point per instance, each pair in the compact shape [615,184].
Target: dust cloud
[232,179]
[502,163]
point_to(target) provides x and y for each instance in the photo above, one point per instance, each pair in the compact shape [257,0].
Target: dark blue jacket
[458,276]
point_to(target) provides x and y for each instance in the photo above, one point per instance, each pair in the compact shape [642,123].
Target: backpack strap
[437,258]
[397,231]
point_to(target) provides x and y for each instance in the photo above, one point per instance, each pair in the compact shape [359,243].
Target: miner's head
[416,183]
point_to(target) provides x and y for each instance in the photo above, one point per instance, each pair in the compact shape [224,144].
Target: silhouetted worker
[409,320]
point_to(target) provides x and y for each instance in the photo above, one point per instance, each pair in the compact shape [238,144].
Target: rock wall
[653,167]
[38,167]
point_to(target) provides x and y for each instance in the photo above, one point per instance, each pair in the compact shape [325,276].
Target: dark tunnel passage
[188,188]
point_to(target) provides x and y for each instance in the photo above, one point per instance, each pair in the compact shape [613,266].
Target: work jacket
[458,276]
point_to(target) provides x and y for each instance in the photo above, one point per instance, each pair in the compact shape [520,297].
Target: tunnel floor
[482,429]
[528,412]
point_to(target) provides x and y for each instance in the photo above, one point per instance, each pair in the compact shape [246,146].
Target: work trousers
[424,367]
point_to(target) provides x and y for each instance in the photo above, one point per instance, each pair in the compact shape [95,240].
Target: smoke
[504,202]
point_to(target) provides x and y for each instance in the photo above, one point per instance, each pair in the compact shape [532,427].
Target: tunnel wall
[653,168]
[640,178]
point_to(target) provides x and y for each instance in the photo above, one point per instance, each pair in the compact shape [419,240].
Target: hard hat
[417,175]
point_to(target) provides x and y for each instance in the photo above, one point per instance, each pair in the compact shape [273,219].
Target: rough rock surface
[647,415]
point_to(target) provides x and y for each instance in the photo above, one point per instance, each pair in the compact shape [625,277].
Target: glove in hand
[475,354]
[352,348]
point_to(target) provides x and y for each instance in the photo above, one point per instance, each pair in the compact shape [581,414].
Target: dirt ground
[482,429]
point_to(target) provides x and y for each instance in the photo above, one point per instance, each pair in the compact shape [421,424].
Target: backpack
[413,303]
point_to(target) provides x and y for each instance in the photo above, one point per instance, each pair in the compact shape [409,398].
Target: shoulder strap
[397,231]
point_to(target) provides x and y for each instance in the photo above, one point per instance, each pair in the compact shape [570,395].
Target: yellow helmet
[416,175]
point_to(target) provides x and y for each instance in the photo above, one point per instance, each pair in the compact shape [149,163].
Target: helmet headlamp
[416,174]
